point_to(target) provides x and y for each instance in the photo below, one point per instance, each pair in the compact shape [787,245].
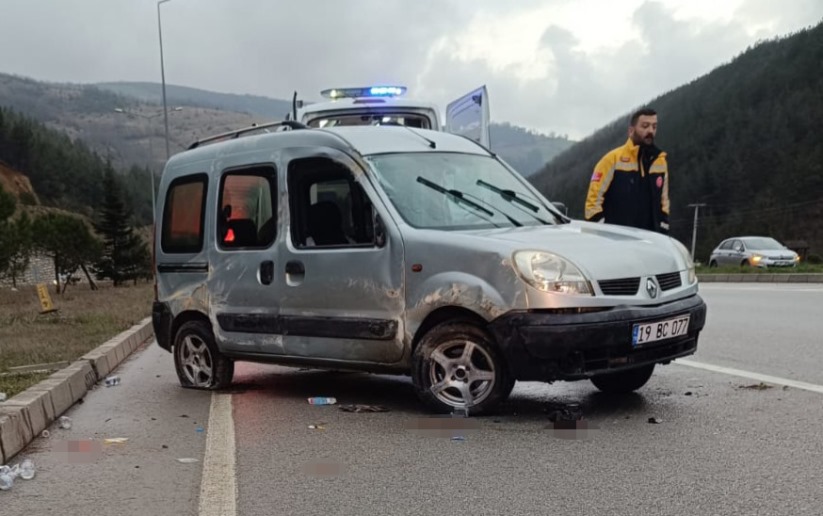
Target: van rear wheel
[198,362]
[457,366]
[624,381]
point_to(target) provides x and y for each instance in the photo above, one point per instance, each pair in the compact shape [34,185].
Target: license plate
[660,330]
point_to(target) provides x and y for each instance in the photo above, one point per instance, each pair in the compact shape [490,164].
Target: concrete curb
[24,416]
[760,277]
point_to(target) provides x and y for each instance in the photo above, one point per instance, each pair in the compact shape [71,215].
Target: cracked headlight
[687,257]
[550,273]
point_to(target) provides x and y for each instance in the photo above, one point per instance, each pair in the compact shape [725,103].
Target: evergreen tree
[7,207]
[123,250]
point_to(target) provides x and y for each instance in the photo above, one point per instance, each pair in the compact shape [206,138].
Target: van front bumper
[547,345]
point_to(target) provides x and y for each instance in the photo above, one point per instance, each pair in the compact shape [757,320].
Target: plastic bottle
[6,481]
[112,381]
[460,412]
[27,469]
[322,401]
[65,422]
[3,396]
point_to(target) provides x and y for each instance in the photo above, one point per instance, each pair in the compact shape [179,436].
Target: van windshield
[452,191]
[408,119]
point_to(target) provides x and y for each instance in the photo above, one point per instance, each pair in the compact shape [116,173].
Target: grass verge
[803,268]
[84,320]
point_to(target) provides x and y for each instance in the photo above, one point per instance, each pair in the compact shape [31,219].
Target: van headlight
[687,257]
[550,273]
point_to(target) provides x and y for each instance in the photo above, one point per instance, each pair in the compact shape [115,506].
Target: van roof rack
[291,124]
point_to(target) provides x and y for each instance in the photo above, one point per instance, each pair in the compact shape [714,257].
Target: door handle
[266,272]
[294,267]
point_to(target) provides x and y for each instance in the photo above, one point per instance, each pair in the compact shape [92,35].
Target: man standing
[630,184]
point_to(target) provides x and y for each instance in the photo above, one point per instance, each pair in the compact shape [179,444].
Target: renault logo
[651,288]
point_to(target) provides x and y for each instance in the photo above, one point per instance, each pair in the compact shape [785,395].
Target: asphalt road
[722,449]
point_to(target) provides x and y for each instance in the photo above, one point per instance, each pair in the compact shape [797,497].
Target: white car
[752,251]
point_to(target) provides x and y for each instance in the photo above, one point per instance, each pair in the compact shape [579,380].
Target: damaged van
[404,251]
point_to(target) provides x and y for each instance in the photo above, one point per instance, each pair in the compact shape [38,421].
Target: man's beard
[639,140]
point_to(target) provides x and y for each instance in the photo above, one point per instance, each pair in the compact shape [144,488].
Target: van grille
[620,287]
[669,281]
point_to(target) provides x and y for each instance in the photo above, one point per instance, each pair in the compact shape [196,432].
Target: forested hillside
[745,139]
[62,172]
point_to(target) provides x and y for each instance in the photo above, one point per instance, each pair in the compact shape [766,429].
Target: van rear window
[184,214]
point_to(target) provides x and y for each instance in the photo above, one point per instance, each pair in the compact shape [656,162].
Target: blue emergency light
[368,91]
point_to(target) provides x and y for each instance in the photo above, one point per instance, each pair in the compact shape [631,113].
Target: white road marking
[763,287]
[218,490]
[752,376]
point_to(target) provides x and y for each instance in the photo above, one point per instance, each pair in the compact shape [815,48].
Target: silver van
[404,251]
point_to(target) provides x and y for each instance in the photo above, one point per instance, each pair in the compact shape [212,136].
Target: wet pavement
[719,444]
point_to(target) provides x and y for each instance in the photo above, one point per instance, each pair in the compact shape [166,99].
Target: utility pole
[163,77]
[694,228]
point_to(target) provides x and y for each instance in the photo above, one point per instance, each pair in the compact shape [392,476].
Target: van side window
[328,207]
[246,218]
[183,215]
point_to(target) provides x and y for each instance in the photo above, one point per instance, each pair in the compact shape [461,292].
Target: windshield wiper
[456,196]
[511,197]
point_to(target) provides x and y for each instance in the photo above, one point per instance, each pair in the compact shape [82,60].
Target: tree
[20,247]
[123,251]
[69,242]
[7,207]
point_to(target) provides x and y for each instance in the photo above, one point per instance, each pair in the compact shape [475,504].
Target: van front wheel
[457,366]
[198,362]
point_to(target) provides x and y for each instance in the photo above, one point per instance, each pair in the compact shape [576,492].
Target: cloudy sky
[567,66]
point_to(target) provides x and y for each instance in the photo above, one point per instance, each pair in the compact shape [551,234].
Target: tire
[713,264]
[624,381]
[744,263]
[442,352]
[198,362]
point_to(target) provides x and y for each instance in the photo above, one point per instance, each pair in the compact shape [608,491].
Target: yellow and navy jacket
[624,191]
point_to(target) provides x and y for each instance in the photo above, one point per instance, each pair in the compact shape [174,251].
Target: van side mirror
[561,208]
[379,230]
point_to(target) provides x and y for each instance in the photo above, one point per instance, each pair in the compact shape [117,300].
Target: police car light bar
[368,91]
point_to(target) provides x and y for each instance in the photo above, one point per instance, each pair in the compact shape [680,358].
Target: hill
[152,93]
[743,139]
[18,185]
[527,151]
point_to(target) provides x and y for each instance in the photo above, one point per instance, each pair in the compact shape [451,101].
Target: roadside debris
[111,381]
[655,420]
[460,412]
[8,475]
[45,434]
[565,413]
[459,438]
[3,396]
[688,393]
[116,440]
[757,386]
[317,427]
[187,460]
[65,422]
[200,430]
[363,408]
[322,401]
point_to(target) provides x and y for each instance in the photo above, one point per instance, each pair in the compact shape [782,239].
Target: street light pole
[163,78]
[694,226]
